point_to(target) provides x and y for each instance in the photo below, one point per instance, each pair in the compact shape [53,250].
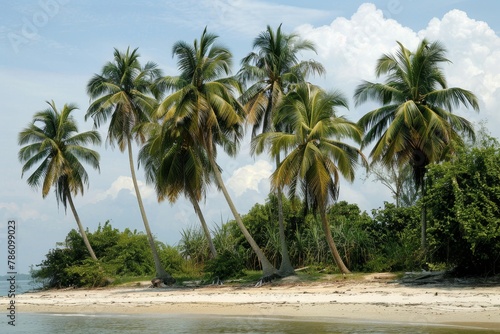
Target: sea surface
[179,324]
[22,286]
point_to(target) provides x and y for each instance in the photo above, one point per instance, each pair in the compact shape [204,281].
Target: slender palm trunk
[331,243]
[267,268]
[423,241]
[80,226]
[160,272]
[286,268]
[197,209]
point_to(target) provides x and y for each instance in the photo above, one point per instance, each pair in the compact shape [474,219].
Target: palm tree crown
[316,156]
[53,140]
[415,123]
[203,99]
[122,93]
[272,69]
[176,165]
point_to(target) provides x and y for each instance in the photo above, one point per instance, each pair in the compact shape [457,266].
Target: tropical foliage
[121,253]
[463,201]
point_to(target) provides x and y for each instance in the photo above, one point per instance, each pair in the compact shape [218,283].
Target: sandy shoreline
[365,300]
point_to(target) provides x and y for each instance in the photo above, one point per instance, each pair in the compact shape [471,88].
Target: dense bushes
[388,241]
[463,201]
[124,253]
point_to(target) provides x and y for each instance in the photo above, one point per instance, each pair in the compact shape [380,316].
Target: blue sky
[49,49]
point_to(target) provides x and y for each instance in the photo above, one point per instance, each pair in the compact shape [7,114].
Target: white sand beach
[374,298]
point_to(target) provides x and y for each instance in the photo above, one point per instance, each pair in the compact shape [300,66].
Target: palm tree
[415,124]
[316,157]
[272,68]
[121,93]
[203,100]
[175,164]
[53,139]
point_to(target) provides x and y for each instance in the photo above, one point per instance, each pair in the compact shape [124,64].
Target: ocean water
[179,324]
[22,286]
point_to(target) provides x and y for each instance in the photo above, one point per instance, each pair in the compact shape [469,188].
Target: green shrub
[226,265]
[89,274]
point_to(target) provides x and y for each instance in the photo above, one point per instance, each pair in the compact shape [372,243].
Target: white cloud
[474,49]
[349,49]
[249,177]
[124,183]
[23,212]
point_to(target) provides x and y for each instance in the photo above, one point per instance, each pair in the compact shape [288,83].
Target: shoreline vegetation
[424,299]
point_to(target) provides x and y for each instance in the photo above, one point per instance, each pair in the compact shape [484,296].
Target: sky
[49,49]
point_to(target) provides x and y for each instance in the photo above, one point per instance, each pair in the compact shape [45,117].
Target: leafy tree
[53,139]
[316,157]
[122,93]
[463,200]
[227,265]
[399,180]
[350,230]
[394,232]
[203,100]
[53,271]
[272,68]
[121,253]
[415,124]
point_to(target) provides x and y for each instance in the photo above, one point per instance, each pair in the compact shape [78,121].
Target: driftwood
[424,277]
[156,283]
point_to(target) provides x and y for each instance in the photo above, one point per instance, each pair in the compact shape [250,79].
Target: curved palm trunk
[331,243]
[160,272]
[197,209]
[267,268]
[80,226]
[286,268]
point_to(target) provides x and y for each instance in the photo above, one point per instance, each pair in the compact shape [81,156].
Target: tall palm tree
[272,68]
[415,124]
[122,93]
[203,100]
[316,157]
[175,164]
[53,139]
